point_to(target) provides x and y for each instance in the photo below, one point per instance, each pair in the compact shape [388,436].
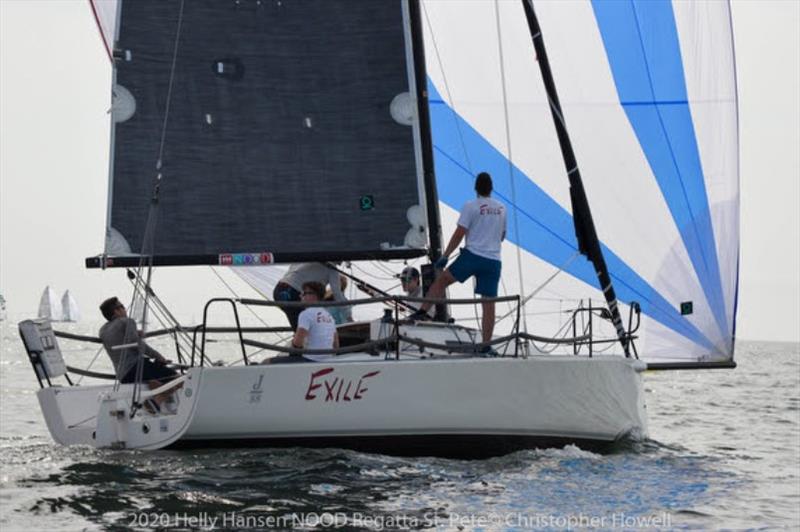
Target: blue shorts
[486,272]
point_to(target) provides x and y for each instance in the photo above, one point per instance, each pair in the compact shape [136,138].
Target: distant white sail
[69,307]
[50,306]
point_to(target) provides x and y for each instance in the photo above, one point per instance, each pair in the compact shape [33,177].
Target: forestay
[649,98]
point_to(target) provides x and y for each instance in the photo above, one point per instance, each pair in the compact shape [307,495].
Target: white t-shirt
[321,330]
[485,222]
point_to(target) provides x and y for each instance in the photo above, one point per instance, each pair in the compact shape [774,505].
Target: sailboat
[254,134]
[50,306]
[71,312]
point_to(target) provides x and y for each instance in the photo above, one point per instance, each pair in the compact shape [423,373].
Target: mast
[588,243]
[429,178]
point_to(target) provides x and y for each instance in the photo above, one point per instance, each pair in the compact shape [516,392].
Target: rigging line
[164,317]
[137,389]
[169,86]
[563,330]
[166,321]
[253,286]
[544,284]
[669,320]
[81,422]
[452,105]
[683,327]
[151,216]
[475,309]
[97,354]
[149,235]
[510,156]
[527,215]
[385,269]
[509,304]
[132,306]
[237,296]
[366,273]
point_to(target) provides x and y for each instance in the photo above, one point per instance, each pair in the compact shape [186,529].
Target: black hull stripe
[462,446]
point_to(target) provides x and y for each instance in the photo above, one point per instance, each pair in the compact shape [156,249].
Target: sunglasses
[309,293]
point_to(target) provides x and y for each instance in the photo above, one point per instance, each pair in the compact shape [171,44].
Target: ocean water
[723,453]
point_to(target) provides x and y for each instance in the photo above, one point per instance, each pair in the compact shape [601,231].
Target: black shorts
[151,371]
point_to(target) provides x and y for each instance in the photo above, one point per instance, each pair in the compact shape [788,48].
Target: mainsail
[234,118]
[277,106]
[69,307]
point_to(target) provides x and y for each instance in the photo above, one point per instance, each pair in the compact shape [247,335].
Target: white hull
[372,401]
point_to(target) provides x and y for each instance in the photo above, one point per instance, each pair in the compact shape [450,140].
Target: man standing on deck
[483,222]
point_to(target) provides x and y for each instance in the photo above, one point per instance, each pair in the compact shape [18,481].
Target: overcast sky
[54,95]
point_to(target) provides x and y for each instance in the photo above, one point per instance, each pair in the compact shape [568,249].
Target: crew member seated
[119,330]
[316,328]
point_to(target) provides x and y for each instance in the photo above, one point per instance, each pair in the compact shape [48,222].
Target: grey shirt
[120,331]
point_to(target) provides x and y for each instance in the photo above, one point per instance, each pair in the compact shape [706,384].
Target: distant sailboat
[69,308]
[50,305]
[2,307]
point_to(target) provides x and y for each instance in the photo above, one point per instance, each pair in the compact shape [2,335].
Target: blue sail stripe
[503,197]
[554,240]
[660,102]
[647,69]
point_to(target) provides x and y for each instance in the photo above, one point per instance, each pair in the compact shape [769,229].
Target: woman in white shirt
[316,328]
[290,286]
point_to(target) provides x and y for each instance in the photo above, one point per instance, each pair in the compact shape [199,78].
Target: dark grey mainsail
[290,130]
